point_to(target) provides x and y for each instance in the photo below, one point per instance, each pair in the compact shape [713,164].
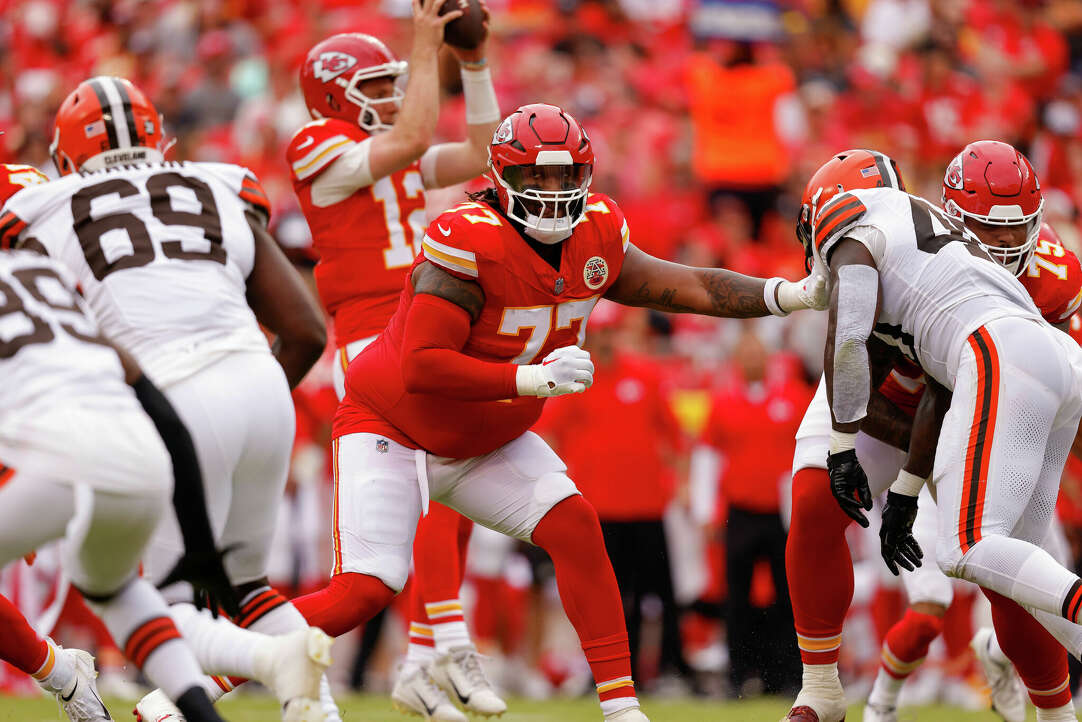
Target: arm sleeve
[858,292]
[347,174]
[432,359]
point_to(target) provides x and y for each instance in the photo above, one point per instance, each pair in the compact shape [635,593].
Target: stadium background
[707,116]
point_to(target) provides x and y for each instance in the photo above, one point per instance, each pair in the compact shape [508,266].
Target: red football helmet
[106,121]
[336,67]
[994,184]
[846,171]
[542,163]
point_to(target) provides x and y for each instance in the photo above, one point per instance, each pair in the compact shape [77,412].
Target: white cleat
[416,693]
[460,674]
[292,665]
[631,714]
[156,707]
[880,713]
[81,701]
[1008,695]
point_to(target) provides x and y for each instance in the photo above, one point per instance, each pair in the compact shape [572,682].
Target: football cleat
[156,707]
[631,714]
[1008,695]
[803,713]
[460,674]
[292,665]
[880,713]
[416,693]
[80,700]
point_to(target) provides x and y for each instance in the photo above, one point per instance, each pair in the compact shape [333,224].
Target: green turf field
[378,709]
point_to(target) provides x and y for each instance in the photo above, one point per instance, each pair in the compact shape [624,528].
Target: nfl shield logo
[382,446]
[558,287]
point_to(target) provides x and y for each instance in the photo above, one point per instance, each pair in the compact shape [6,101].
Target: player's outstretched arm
[666,286]
[412,131]
[283,304]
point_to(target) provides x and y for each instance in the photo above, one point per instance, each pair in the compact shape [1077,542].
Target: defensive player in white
[950,302]
[176,261]
[1052,277]
[83,462]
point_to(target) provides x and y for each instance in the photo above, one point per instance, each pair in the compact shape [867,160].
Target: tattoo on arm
[430,279]
[724,293]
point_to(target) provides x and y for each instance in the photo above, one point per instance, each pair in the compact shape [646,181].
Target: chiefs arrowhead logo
[953,179]
[503,133]
[331,64]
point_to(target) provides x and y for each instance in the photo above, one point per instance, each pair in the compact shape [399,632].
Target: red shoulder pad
[603,210]
[1054,278]
[318,144]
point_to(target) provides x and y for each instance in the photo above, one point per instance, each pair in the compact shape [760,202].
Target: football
[467,31]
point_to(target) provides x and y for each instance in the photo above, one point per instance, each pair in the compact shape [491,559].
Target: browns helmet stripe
[121,120]
[129,117]
[886,172]
[107,115]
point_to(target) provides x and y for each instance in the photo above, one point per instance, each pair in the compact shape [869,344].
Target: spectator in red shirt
[751,426]
[626,470]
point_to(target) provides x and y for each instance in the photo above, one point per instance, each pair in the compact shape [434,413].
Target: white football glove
[813,292]
[566,370]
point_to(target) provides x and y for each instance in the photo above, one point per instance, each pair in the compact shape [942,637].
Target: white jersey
[51,352]
[937,286]
[162,252]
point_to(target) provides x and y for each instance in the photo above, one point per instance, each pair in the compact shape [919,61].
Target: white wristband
[841,441]
[907,484]
[769,292]
[482,107]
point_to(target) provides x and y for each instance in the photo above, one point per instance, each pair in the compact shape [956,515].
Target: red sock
[571,534]
[439,561]
[958,624]
[906,644]
[888,606]
[818,567]
[486,614]
[1040,660]
[347,602]
[19,644]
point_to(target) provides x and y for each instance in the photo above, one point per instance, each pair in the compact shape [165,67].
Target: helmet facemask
[369,118]
[548,198]
[1015,258]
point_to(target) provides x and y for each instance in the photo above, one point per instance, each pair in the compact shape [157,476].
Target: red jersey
[530,310]
[366,241]
[1054,282]
[13,178]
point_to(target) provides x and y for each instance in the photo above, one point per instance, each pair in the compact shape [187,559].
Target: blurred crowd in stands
[707,117]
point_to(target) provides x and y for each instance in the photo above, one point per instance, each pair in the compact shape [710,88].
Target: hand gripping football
[467,31]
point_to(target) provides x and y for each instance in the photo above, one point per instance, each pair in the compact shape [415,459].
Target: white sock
[220,647]
[618,704]
[448,625]
[886,689]
[170,665]
[421,650]
[61,678]
[1018,570]
[1065,713]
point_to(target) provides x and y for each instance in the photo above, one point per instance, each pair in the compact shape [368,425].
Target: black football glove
[849,485]
[203,569]
[896,542]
